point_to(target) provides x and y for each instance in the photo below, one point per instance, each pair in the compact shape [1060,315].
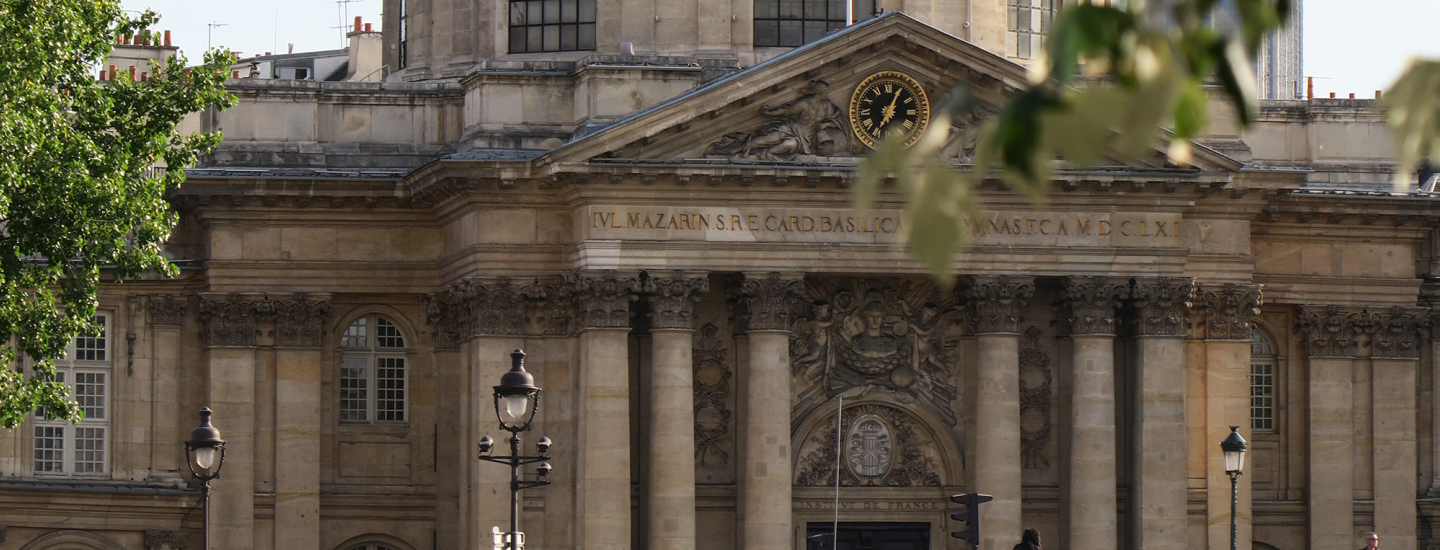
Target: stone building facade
[663,222]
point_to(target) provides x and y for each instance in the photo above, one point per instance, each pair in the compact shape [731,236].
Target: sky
[1350,45]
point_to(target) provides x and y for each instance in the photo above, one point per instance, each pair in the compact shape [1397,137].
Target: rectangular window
[404,31]
[552,25]
[64,449]
[1029,22]
[797,22]
[354,389]
[1262,396]
[390,389]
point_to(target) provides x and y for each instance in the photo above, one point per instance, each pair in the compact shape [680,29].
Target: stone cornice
[1330,331]
[1396,332]
[763,301]
[672,299]
[1160,306]
[1087,304]
[997,303]
[1227,310]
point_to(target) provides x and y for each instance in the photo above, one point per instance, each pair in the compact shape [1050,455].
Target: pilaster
[167,315]
[1087,315]
[1395,336]
[230,330]
[602,493]
[1227,310]
[299,326]
[1330,338]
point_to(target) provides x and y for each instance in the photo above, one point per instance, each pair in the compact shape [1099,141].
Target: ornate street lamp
[205,452]
[1234,450]
[516,400]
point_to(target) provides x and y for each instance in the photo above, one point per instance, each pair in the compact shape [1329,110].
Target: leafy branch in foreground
[76,192]
[1110,79]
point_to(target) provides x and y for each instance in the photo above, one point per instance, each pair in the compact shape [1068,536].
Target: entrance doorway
[868,536]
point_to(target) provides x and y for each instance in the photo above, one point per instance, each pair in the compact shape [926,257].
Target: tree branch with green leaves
[76,190]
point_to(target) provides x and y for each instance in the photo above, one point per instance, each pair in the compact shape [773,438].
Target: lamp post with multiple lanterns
[1233,447]
[516,401]
[205,452]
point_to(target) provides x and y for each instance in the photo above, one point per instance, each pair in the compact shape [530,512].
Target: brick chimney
[366,54]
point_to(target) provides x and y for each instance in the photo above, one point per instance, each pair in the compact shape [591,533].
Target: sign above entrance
[839,225]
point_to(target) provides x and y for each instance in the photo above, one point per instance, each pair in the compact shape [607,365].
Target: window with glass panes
[373,372]
[1262,383]
[404,32]
[79,449]
[552,25]
[797,22]
[1029,23]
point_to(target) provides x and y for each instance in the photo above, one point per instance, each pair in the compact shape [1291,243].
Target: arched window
[373,373]
[798,22]
[1262,382]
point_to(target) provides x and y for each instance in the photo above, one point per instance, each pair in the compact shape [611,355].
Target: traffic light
[970,517]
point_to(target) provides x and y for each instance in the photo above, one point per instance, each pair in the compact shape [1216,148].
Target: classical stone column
[602,492]
[1157,498]
[671,484]
[230,326]
[299,324]
[167,315]
[1395,354]
[997,304]
[1087,315]
[1330,344]
[1228,310]
[764,303]
[449,313]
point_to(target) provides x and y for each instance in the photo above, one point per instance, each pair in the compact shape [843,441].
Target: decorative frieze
[1088,304]
[166,309]
[763,303]
[1396,332]
[672,300]
[1037,382]
[451,312]
[602,299]
[1329,331]
[1228,310]
[997,303]
[299,322]
[229,321]
[1160,306]
[499,307]
[164,540]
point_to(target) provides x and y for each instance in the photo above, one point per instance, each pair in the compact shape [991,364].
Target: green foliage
[1413,103]
[76,192]
[1110,79]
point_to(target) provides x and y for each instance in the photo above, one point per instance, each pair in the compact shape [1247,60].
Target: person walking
[1372,541]
[1029,540]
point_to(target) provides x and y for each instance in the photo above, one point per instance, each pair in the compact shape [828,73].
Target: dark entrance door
[868,536]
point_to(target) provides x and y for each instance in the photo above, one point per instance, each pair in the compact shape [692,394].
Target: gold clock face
[889,103]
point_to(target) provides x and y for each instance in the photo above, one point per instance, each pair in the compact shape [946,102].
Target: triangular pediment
[793,109]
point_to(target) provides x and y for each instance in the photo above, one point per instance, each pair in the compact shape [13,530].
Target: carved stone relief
[884,447]
[1329,331]
[1228,310]
[164,540]
[1088,304]
[1396,332]
[1161,306]
[501,307]
[965,134]
[166,309]
[672,300]
[809,125]
[897,337]
[602,299]
[1037,380]
[298,322]
[762,303]
[712,396]
[996,302]
[229,322]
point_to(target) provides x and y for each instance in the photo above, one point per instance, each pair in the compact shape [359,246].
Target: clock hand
[890,110]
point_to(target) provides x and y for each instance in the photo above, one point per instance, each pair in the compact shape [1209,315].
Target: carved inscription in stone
[809,125]
[712,396]
[1036,391]
[1396,332]
[1228,310]
[897,337]
[913,460]
[1329,331]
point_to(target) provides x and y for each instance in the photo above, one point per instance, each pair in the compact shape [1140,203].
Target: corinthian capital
[672,299]
[1160,305]
[1396,332]
[298,321]
[1330,331]
[229,321]
[1087,304]
[1228,310]
[997,303]
[167,309]
[763,302]
[602,299]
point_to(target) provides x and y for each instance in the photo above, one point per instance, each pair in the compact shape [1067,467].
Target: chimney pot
[267,53]
[144,77]
[132,73]
[367,27]
[136,40]
[1352,95]
[1332,95]
[357,23]
[1377,94]
[112,72]
[167,38]
[234,74]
